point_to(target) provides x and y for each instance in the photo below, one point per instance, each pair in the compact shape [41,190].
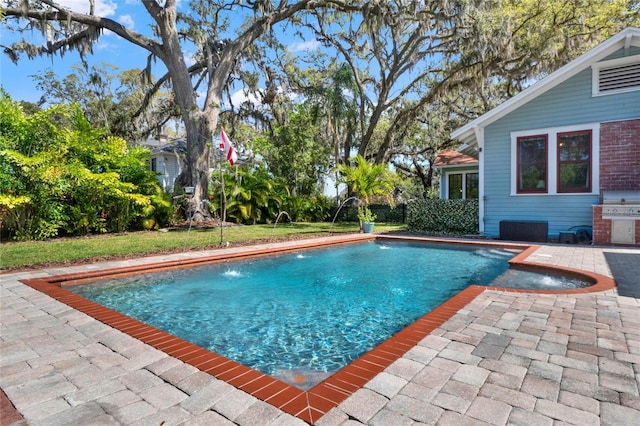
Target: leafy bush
[316,208]
[366,181]
[61,176]
[255,196]
[443,216]
[251,196]
[383,212]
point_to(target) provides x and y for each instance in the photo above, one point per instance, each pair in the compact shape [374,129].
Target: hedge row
[443,216]
[383,212]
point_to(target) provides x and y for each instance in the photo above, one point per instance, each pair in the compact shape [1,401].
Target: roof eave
[625,38]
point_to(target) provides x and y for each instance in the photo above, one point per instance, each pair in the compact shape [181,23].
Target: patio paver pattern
[505,358]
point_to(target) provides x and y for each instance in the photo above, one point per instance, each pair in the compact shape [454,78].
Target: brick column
[601,228]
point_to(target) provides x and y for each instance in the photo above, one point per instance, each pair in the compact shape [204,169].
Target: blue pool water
[311,311]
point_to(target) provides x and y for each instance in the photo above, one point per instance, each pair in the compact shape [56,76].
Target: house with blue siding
[551,156]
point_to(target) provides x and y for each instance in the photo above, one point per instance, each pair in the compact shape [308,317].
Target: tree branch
[65,15]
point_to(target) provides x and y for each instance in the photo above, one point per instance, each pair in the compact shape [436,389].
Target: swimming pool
[307,313]
[312,404]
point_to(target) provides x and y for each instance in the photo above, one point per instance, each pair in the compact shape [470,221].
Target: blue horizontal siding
[561,212]
[569,103]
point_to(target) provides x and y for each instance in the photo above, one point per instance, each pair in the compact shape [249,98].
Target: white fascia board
[626,37]
[457,166]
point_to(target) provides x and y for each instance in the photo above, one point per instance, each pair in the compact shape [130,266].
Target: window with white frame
[574,161]
[532,164]
[616,76]
[462,185]
[561,160]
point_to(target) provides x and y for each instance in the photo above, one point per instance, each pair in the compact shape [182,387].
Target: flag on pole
[225,145]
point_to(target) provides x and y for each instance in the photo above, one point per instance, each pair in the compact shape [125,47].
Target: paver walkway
[506,358]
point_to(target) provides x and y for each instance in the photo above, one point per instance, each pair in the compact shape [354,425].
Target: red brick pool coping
[309,405]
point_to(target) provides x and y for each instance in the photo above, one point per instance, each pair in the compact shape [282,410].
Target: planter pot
[367,227]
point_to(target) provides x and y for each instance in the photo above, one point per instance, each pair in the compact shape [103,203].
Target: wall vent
[617,76]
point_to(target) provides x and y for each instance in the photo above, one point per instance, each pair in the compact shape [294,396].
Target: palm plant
[253,196]
[366,180]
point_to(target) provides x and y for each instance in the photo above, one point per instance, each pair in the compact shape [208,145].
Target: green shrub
[443,216]
[315,208]
[383,212]
[251,195]
[61,176]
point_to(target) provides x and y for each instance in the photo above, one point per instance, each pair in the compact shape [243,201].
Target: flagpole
[223,207]
[230,155]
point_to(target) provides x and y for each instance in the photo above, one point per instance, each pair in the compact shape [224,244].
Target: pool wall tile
[311,405]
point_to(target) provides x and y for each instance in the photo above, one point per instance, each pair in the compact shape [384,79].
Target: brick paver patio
[505,358]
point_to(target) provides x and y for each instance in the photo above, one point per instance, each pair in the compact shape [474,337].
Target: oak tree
[202,24]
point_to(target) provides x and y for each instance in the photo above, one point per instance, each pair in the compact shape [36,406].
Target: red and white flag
[225,145]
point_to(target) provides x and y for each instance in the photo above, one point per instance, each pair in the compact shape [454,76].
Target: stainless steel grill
[621,197]
[621,204]
[623,209]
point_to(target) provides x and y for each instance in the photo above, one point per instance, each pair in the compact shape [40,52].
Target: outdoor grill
[621,204]
[623,209]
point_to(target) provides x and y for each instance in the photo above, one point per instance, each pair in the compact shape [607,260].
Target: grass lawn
[19,255]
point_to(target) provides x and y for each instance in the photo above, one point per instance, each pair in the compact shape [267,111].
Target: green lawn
[15,255]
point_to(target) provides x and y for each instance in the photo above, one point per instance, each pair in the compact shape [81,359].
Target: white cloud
[242,96]
[105,45]
[189,58]
[103,7]
[127,21]
[304,45]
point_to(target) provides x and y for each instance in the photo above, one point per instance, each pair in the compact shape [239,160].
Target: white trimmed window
[462,185]
[561,160]
[616,76]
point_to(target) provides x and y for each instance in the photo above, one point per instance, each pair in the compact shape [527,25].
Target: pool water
[313,311]
[515,278]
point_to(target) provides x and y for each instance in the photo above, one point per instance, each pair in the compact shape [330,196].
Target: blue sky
[17,80]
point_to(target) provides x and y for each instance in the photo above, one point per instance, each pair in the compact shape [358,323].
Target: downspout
[479,134]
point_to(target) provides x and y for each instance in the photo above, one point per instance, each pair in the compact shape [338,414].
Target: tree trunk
[196,168]
[195,172]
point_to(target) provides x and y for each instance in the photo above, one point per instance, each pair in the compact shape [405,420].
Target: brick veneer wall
[620,155]
[619,170]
